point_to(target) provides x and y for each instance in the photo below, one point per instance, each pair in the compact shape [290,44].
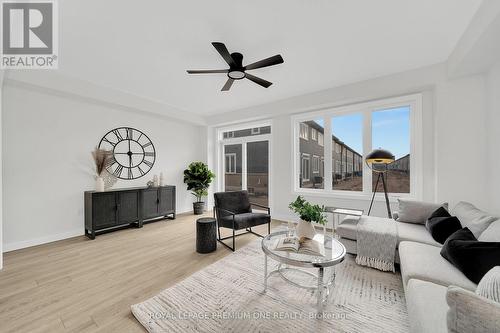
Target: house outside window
[393,124]
[230,162]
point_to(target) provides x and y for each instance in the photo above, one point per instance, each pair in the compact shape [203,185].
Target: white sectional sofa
[426,274]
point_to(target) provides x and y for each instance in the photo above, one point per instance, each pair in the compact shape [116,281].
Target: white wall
[453,119]
[493,146]
[47,140]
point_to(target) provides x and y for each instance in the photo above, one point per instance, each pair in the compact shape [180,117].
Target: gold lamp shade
[380,156]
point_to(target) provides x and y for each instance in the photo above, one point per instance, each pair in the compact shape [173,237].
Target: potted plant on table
[308,213]
[198,178]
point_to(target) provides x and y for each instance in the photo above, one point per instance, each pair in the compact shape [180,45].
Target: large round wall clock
[134,153]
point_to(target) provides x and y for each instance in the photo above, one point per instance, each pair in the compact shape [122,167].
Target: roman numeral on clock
[147,144]
[118,135]
[118,171]
[130,133]
[148,163]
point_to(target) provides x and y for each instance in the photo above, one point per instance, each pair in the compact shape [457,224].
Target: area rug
[228,296]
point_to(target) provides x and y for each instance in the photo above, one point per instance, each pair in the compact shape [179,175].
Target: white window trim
[255,130]
[416,148]
[315,164]
[232,157]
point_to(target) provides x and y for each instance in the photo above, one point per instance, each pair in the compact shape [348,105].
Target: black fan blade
[222,49]
[271,61]
[258,80]
[208,71]
[228,85]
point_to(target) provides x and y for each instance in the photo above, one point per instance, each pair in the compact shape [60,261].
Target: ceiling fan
[236,69]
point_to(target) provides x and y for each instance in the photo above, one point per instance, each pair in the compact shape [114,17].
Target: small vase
[99,184]
[162,179]
[305,229]
[155,181]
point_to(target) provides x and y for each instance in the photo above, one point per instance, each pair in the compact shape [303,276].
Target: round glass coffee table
[293,262]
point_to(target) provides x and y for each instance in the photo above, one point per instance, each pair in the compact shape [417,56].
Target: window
[347,135]
[230,162]
[305,169]
[311,176]
[314,134]
[315,164]
[304,131]
[255,131]
[353,131]
[391,131]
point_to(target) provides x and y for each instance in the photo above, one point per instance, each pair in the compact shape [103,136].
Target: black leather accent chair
[233,210]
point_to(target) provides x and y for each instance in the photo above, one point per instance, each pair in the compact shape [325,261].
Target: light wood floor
[80,285]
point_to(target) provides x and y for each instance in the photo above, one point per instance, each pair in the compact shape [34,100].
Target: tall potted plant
[198,178]
[308,213]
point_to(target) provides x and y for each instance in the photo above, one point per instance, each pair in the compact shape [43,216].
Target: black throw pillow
[470,256]
[441,225]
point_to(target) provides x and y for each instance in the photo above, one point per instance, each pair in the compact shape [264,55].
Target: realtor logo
[29,35]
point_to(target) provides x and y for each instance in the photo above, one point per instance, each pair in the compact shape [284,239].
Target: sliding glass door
[245,162]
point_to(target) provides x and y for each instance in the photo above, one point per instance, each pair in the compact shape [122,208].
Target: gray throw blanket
[376,242]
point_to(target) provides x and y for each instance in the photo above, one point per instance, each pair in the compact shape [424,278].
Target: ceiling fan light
[236,75]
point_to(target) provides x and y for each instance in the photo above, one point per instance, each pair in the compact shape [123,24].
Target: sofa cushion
[424,262]
[489,286]
[348,227]
[476,220]
[492,233]
[427,308]
[414,233]
[470,256]
[441,225]
[413,211]
[469,312]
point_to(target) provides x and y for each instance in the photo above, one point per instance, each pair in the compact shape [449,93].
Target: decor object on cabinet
[155,181]
[308,213]
[198,178]
[133,152]
[162,179]
[378,160]
[101,158]
[130,206]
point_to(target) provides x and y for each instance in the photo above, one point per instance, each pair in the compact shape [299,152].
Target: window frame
[255,131]
[314,134]
[315,164]
[414,101]
[306,131]
[306,157]
[322,141]
[231,156]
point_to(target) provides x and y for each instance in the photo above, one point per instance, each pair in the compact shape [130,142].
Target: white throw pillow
[476,220]
[413,211]
[489,286]
[492,233]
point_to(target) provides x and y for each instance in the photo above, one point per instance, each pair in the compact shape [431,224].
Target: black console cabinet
[120,207]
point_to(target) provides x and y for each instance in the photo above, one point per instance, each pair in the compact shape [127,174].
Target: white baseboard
[42,240]
[7,247]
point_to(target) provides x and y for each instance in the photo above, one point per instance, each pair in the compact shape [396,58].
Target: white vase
[99,184]
[162,179]
[305,229]
[155,181]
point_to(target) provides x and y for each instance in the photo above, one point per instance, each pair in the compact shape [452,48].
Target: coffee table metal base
[322,288]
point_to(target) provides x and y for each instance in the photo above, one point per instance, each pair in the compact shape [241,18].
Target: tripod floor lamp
[378,161]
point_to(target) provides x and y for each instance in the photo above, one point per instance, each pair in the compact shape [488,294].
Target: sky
[390,130]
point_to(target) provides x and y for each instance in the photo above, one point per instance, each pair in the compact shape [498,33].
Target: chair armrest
[470,312]
[262,206]
[225,211]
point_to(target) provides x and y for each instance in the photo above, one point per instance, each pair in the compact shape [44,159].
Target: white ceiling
[144,47]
